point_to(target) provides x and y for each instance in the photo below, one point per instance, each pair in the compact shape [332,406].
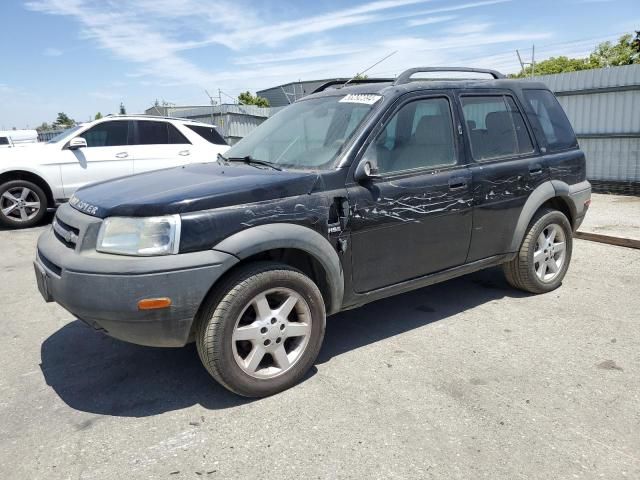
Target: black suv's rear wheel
[544,256]
[22,204]
[261,331]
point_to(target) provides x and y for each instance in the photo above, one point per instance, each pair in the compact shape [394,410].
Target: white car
[38,177]
[17,138]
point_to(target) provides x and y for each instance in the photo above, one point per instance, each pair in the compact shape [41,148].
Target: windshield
[308,134]
[64,134]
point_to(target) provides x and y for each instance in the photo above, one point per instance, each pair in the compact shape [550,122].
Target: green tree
[608,54]
[63,121]
[123,110]
[44,127]
[557,65]
[98,116]
[360,76]
[246,98]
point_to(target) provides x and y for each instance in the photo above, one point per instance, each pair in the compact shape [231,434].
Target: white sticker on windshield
[366,98]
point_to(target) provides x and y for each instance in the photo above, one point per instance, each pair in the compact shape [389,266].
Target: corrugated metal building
[283,95]
[604,108]
[234,121]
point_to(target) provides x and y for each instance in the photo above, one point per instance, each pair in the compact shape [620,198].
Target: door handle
[457,183]
[122,155]
[535,169]
[184,153]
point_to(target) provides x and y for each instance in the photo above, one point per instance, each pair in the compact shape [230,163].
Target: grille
[67,234]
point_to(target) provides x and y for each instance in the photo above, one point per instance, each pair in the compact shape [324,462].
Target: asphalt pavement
[467,379]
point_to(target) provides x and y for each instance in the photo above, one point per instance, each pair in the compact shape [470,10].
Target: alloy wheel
[20,204]
[550,252]
[271,333]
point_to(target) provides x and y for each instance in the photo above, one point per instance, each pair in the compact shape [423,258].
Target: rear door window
[210,134]
[152,133]
[495,127]
[550,123]
[174,135]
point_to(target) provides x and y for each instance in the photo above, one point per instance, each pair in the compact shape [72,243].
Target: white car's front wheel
[22,204]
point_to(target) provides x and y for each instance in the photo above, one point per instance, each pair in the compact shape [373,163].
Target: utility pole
[533,60]
[212,102]
[523,65]
[221,120]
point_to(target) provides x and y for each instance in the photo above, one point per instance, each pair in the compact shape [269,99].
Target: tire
[234,327]
[23,204]
[532,268]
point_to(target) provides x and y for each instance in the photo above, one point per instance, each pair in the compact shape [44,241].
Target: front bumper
[104,290]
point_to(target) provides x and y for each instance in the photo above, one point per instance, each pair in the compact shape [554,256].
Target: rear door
[506,168]
[416,218]
[158,144]
[106,156]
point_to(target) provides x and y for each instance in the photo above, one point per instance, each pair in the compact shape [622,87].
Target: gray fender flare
[259,239]
[540,195]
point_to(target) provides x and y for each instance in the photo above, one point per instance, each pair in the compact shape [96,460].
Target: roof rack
[357,81]
[405,77]
[162,117]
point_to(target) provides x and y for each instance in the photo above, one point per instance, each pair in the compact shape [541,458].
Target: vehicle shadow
[94,373]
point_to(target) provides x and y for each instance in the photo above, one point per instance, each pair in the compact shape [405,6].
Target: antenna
[367,69]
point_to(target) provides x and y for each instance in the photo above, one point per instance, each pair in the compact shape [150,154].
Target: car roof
[390,89]
[154,117]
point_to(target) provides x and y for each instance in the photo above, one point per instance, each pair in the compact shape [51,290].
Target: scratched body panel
[418,214]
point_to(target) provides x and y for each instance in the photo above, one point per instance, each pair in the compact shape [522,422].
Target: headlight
[140,236]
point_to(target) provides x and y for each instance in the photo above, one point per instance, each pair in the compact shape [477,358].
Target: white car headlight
[145,236]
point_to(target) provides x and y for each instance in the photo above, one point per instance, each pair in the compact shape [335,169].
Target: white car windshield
[309,134]
[64,134]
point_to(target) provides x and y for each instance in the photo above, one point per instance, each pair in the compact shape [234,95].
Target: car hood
[188,189]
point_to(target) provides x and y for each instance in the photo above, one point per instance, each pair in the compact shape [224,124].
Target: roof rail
[357,81]
[405,77]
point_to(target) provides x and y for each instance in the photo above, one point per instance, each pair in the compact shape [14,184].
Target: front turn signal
[154,303]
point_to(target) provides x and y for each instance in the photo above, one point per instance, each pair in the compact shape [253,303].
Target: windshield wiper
[249,160]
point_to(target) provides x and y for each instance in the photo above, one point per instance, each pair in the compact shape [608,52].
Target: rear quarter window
[550,124]
[210,134]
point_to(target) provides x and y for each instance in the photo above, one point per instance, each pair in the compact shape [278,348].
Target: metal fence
[48,135]
[603,106]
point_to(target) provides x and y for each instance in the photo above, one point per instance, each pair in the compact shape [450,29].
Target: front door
[416,218]
[106,156]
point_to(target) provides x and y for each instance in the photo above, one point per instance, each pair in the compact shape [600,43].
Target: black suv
[347,196]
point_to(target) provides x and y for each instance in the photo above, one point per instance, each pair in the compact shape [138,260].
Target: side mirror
[77,143]
[365,171]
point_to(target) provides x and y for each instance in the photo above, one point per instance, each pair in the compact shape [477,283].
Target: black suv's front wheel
[544,256]
[262,329]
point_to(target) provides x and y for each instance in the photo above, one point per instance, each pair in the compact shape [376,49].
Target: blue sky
[85,56]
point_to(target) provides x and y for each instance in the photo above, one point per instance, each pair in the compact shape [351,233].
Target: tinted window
[419,135]
[152,133]
[175,136]
[4,141]
[495,127]
[107,134]
[554,128]
[210,134]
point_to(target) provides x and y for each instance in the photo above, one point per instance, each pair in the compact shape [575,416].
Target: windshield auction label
[367,99]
